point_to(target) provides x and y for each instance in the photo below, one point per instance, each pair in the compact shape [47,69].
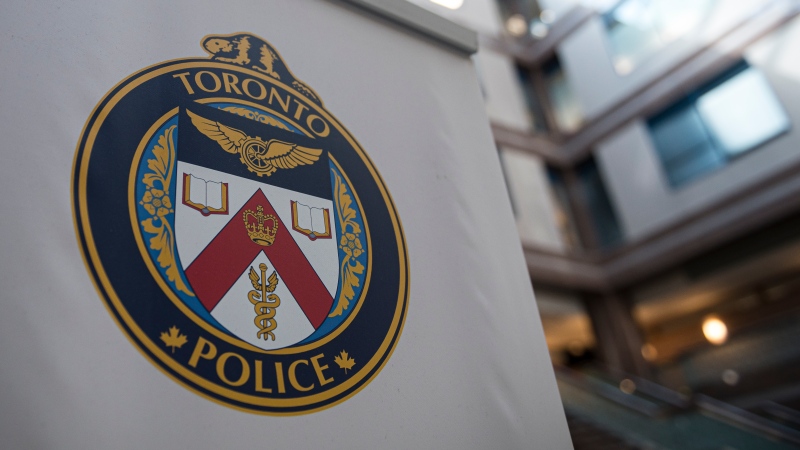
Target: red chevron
[230,253]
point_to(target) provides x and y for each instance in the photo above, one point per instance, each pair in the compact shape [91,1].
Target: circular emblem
[238,233]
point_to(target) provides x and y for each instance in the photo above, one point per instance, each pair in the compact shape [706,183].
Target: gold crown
[254,224]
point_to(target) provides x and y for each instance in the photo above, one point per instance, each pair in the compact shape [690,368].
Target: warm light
[450,4]
[649,352]
[516,25]
[576,349]
[715,330]
[627,386]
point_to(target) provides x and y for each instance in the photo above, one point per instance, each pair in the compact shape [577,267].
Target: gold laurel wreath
[156,201]
[350,244]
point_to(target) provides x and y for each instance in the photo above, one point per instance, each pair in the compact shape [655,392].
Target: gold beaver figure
[251,51]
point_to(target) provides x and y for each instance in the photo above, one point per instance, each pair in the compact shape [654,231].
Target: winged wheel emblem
[260,157]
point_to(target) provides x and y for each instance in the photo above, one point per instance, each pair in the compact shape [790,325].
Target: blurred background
[652,158]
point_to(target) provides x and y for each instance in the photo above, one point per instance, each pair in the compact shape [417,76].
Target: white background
[471,369]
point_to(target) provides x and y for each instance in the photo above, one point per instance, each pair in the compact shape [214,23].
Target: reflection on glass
[602,214]
[539,30]
[743,112]
[597,5]
[449,4]
[563,6]
[519,15]
[564,217]
[548,16]
[732,114]
[639,28]
[537,120]
[566,107]
[517,25]
[684,144]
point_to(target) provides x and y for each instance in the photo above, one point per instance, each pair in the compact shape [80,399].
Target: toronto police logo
[238,233]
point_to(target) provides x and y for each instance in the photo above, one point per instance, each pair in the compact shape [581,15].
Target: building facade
[652,158]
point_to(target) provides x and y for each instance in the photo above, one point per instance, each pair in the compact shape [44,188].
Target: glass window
[567,110]
[743,112]
[533,18]
[528,9]
[524,18]
[565,220]
[567,327]
[639,28]
[592,194]
[732,114]
[604,218]
[537,119]
[562,103]
[684,144]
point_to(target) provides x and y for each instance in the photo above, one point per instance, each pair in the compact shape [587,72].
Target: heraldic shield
[254,226]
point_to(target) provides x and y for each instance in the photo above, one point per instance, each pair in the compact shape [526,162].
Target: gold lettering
[198,80]
[200,353]
[279,376]
[230,81]
[247,82]
[186,84]
[318,369]
[273,93]
[259,379]
[223,358]
[300,108]
[310,122]
[293,377]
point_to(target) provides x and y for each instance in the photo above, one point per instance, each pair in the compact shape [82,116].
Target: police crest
[238,233]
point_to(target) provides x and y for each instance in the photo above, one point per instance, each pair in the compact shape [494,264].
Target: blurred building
[652,157]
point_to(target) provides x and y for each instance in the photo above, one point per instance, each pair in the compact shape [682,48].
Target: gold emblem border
[105,289]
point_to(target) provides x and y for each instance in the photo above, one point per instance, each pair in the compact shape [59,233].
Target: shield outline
[183,216]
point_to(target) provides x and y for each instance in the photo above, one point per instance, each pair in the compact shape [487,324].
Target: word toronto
[210,82]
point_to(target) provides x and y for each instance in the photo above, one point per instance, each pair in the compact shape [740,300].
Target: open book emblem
[208,197]
[313,222]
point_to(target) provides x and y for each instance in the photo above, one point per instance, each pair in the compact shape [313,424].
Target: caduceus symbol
[264,301]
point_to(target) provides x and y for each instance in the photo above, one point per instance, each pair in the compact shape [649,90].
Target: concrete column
[619,339]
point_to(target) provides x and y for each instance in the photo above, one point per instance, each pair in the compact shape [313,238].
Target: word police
[230,362]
